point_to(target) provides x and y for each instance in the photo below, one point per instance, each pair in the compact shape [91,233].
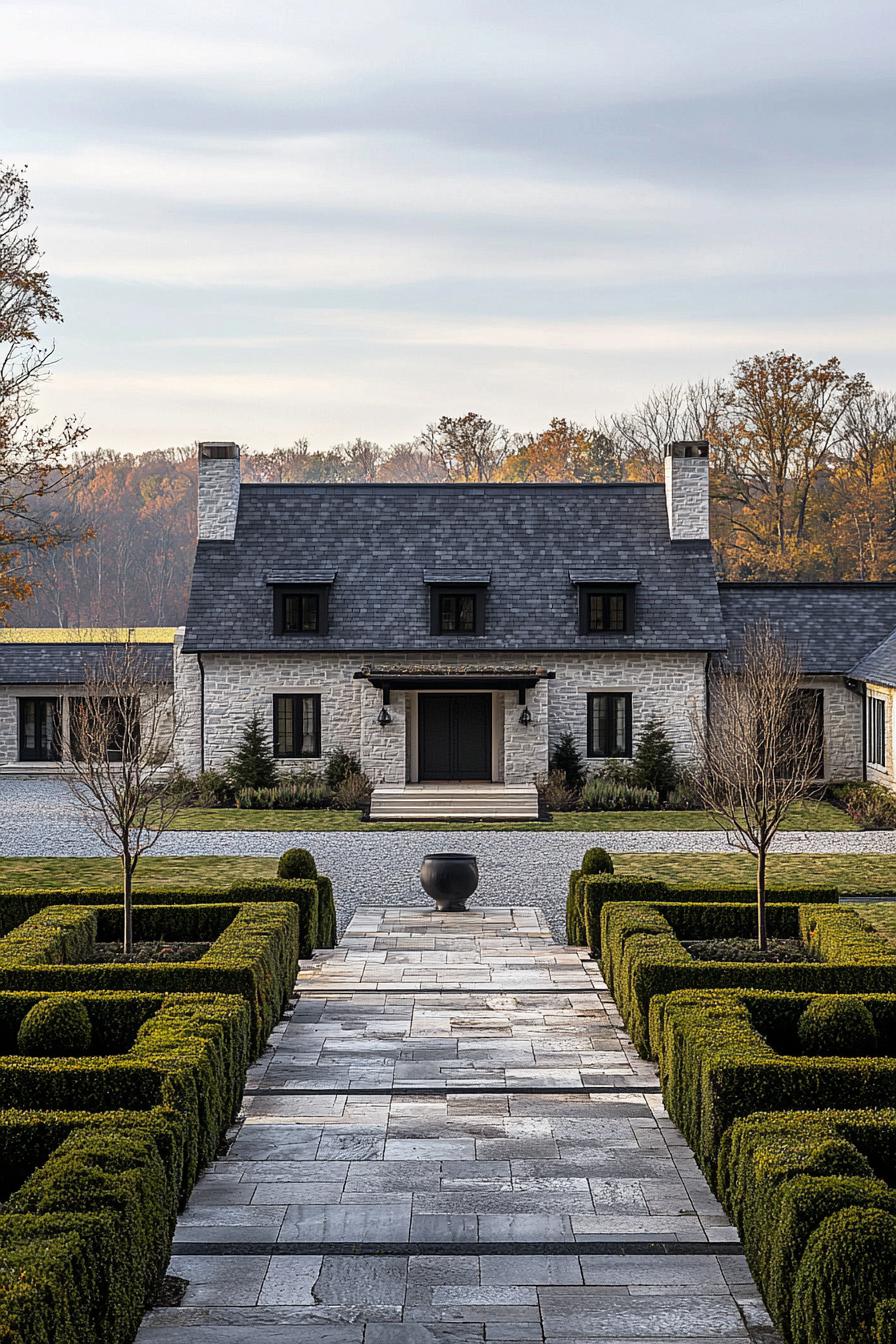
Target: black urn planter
[449,879]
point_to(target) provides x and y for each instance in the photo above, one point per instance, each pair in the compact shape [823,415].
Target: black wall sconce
[525,717]
[384,716]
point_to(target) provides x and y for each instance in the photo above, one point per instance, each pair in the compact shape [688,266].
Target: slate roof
[878,666]
[64,664]
[381,540]
[832,624]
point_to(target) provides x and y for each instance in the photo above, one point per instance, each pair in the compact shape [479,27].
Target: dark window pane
[616,606]
[301,613]
[309,744]
[595,611]
[296,725]
[609,724]
[457,613]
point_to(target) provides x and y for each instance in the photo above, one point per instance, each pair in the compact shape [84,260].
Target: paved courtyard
[451,1140]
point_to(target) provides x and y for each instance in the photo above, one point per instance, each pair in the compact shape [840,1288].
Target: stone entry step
[454,801]
[509,1175]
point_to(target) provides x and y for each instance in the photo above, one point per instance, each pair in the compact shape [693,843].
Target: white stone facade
[668,686]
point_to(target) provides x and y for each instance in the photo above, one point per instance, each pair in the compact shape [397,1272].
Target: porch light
[525,717]
[383,717]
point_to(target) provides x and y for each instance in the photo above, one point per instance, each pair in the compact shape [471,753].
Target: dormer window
[457,613]
[457,601]
[606,601]
[301,603]
[605,611]
[301,613]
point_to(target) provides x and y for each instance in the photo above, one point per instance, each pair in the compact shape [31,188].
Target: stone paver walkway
[451,1139]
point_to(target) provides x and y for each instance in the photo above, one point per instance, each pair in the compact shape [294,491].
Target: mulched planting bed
[146,951]
[747,949]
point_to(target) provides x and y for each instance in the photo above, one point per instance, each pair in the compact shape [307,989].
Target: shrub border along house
[817,1217]
[190,1055]
[254,953]
[314,898]
[643,955]
[717,1063]
[85,1237]
[587,895]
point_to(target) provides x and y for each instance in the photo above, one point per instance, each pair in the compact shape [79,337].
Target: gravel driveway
[37,819]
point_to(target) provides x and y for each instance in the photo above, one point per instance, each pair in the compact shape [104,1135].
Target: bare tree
[758,747]
[120,759]
[467,447]
[678,411]
[32,457]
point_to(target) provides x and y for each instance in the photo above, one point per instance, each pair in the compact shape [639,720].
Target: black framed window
[296,726]
[115,722]
[458,611]
[39,728]
[877,731]
[301,611]
[610,723]
[606,611]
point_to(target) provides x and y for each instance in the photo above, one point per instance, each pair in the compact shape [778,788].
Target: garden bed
[89,1209]
[813,1195]
[589,893]
[187,1052]
[253,952]
[727,1053]
[643,954]
[312,896]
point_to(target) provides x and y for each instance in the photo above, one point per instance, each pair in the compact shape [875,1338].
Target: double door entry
[455,736]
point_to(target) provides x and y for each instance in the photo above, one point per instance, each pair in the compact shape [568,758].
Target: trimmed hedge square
[587,896]
[254,952]
[187,1052]
[314,899]
[90,1207]
[813,1195]
[643,955]
[727,1053]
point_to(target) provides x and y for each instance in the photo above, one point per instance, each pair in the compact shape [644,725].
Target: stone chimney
[687,489]
[219,490]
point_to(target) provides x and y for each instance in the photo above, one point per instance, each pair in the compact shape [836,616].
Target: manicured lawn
[881,915]
[808,816]
[869,872]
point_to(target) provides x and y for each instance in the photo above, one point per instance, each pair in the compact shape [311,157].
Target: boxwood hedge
[186,1052]
[727,1053]
[90,1206]
[254,952]
[643,954]
[587,896]
[813,1195]
[314,899]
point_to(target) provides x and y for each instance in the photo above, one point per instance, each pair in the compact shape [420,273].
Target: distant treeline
[803,482]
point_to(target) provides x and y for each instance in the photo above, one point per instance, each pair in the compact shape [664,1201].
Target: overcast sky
[342,218]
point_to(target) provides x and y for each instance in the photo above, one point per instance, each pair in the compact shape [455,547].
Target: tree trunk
[127,873]
[761,931]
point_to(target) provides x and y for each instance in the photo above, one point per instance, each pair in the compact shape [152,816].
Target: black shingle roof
[381,540]
[65,664]
[878,666]
[832,624]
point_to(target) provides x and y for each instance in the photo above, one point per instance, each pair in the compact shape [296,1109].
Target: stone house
[42,676]
[449,634]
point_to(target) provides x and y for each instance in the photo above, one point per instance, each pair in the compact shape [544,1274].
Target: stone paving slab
[488,1164]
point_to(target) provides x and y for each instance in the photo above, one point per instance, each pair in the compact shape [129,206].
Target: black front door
[455,736]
